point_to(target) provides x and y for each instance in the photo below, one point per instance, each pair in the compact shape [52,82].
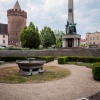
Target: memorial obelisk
[70,11]
[71,39]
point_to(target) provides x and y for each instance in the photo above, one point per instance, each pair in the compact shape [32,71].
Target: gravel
[78,85]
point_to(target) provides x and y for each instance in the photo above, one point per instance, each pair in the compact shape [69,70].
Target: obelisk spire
[71,26]
[70,12]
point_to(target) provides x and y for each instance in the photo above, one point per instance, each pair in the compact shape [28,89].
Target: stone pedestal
[71,40]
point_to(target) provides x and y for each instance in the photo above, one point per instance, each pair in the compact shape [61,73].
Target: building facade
[93,40]
[3,34]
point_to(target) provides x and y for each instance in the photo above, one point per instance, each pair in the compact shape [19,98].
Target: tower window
[3,41]
[3,36]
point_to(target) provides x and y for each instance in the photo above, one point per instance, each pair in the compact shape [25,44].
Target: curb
[82,99]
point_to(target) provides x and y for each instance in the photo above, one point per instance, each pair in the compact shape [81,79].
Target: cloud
[53,13]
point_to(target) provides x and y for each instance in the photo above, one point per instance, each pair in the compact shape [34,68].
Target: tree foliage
[58,35]
[29,37]
[47,37]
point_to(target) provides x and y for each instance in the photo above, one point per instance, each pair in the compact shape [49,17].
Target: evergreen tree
[47,37]
[29,37]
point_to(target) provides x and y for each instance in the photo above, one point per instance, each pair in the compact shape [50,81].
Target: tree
[29,37]
[58,35]
[47,37]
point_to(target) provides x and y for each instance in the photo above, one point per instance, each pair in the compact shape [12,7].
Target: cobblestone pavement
[78,85]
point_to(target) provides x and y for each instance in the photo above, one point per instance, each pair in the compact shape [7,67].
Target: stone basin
[28,68]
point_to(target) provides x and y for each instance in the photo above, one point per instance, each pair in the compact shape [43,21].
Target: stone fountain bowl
[30,67]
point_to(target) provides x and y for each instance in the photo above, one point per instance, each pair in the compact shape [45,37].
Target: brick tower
[16,22]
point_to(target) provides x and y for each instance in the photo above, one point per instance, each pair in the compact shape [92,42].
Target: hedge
[79,59]
[62,60]
[96,71]
[46,58]
[14,58]
[71,59]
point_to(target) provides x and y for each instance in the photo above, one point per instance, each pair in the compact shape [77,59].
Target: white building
[3,34]
[93,40]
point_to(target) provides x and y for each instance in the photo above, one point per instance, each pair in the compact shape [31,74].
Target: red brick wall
[16,22]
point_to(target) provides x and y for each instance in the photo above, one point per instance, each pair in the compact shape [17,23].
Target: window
[3,41]
[90,38]
[93,38]
[97,38]
[3,36]
[93,42]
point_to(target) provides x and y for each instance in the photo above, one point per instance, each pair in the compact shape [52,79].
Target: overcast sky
[54,13]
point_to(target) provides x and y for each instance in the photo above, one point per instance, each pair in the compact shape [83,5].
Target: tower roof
[17,6]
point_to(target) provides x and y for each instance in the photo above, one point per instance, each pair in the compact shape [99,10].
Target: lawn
[11,75]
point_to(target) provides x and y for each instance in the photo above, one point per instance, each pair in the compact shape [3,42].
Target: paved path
[78,85]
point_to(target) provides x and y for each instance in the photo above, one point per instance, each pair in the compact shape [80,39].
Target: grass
[11,75]
[88,65]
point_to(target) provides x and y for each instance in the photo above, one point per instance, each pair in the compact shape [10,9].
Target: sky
[54,14]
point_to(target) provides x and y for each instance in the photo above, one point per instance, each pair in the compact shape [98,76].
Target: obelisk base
[71,40]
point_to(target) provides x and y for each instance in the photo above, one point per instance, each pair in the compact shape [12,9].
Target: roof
[17,6]
[3,28]
[82,40]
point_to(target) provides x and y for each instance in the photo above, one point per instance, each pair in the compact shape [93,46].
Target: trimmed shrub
[82,59]
[62,60]
[71,59]
[96,71]
[46,58]
[14,58]
[78,59]
[10,59]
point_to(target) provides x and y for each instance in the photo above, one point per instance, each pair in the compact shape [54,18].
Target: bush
[46,58]
[82,59]
[62,60]
[96,71]
[16,48]
[10,59]
[71,59]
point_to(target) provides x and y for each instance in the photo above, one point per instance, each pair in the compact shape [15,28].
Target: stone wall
[55,53]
